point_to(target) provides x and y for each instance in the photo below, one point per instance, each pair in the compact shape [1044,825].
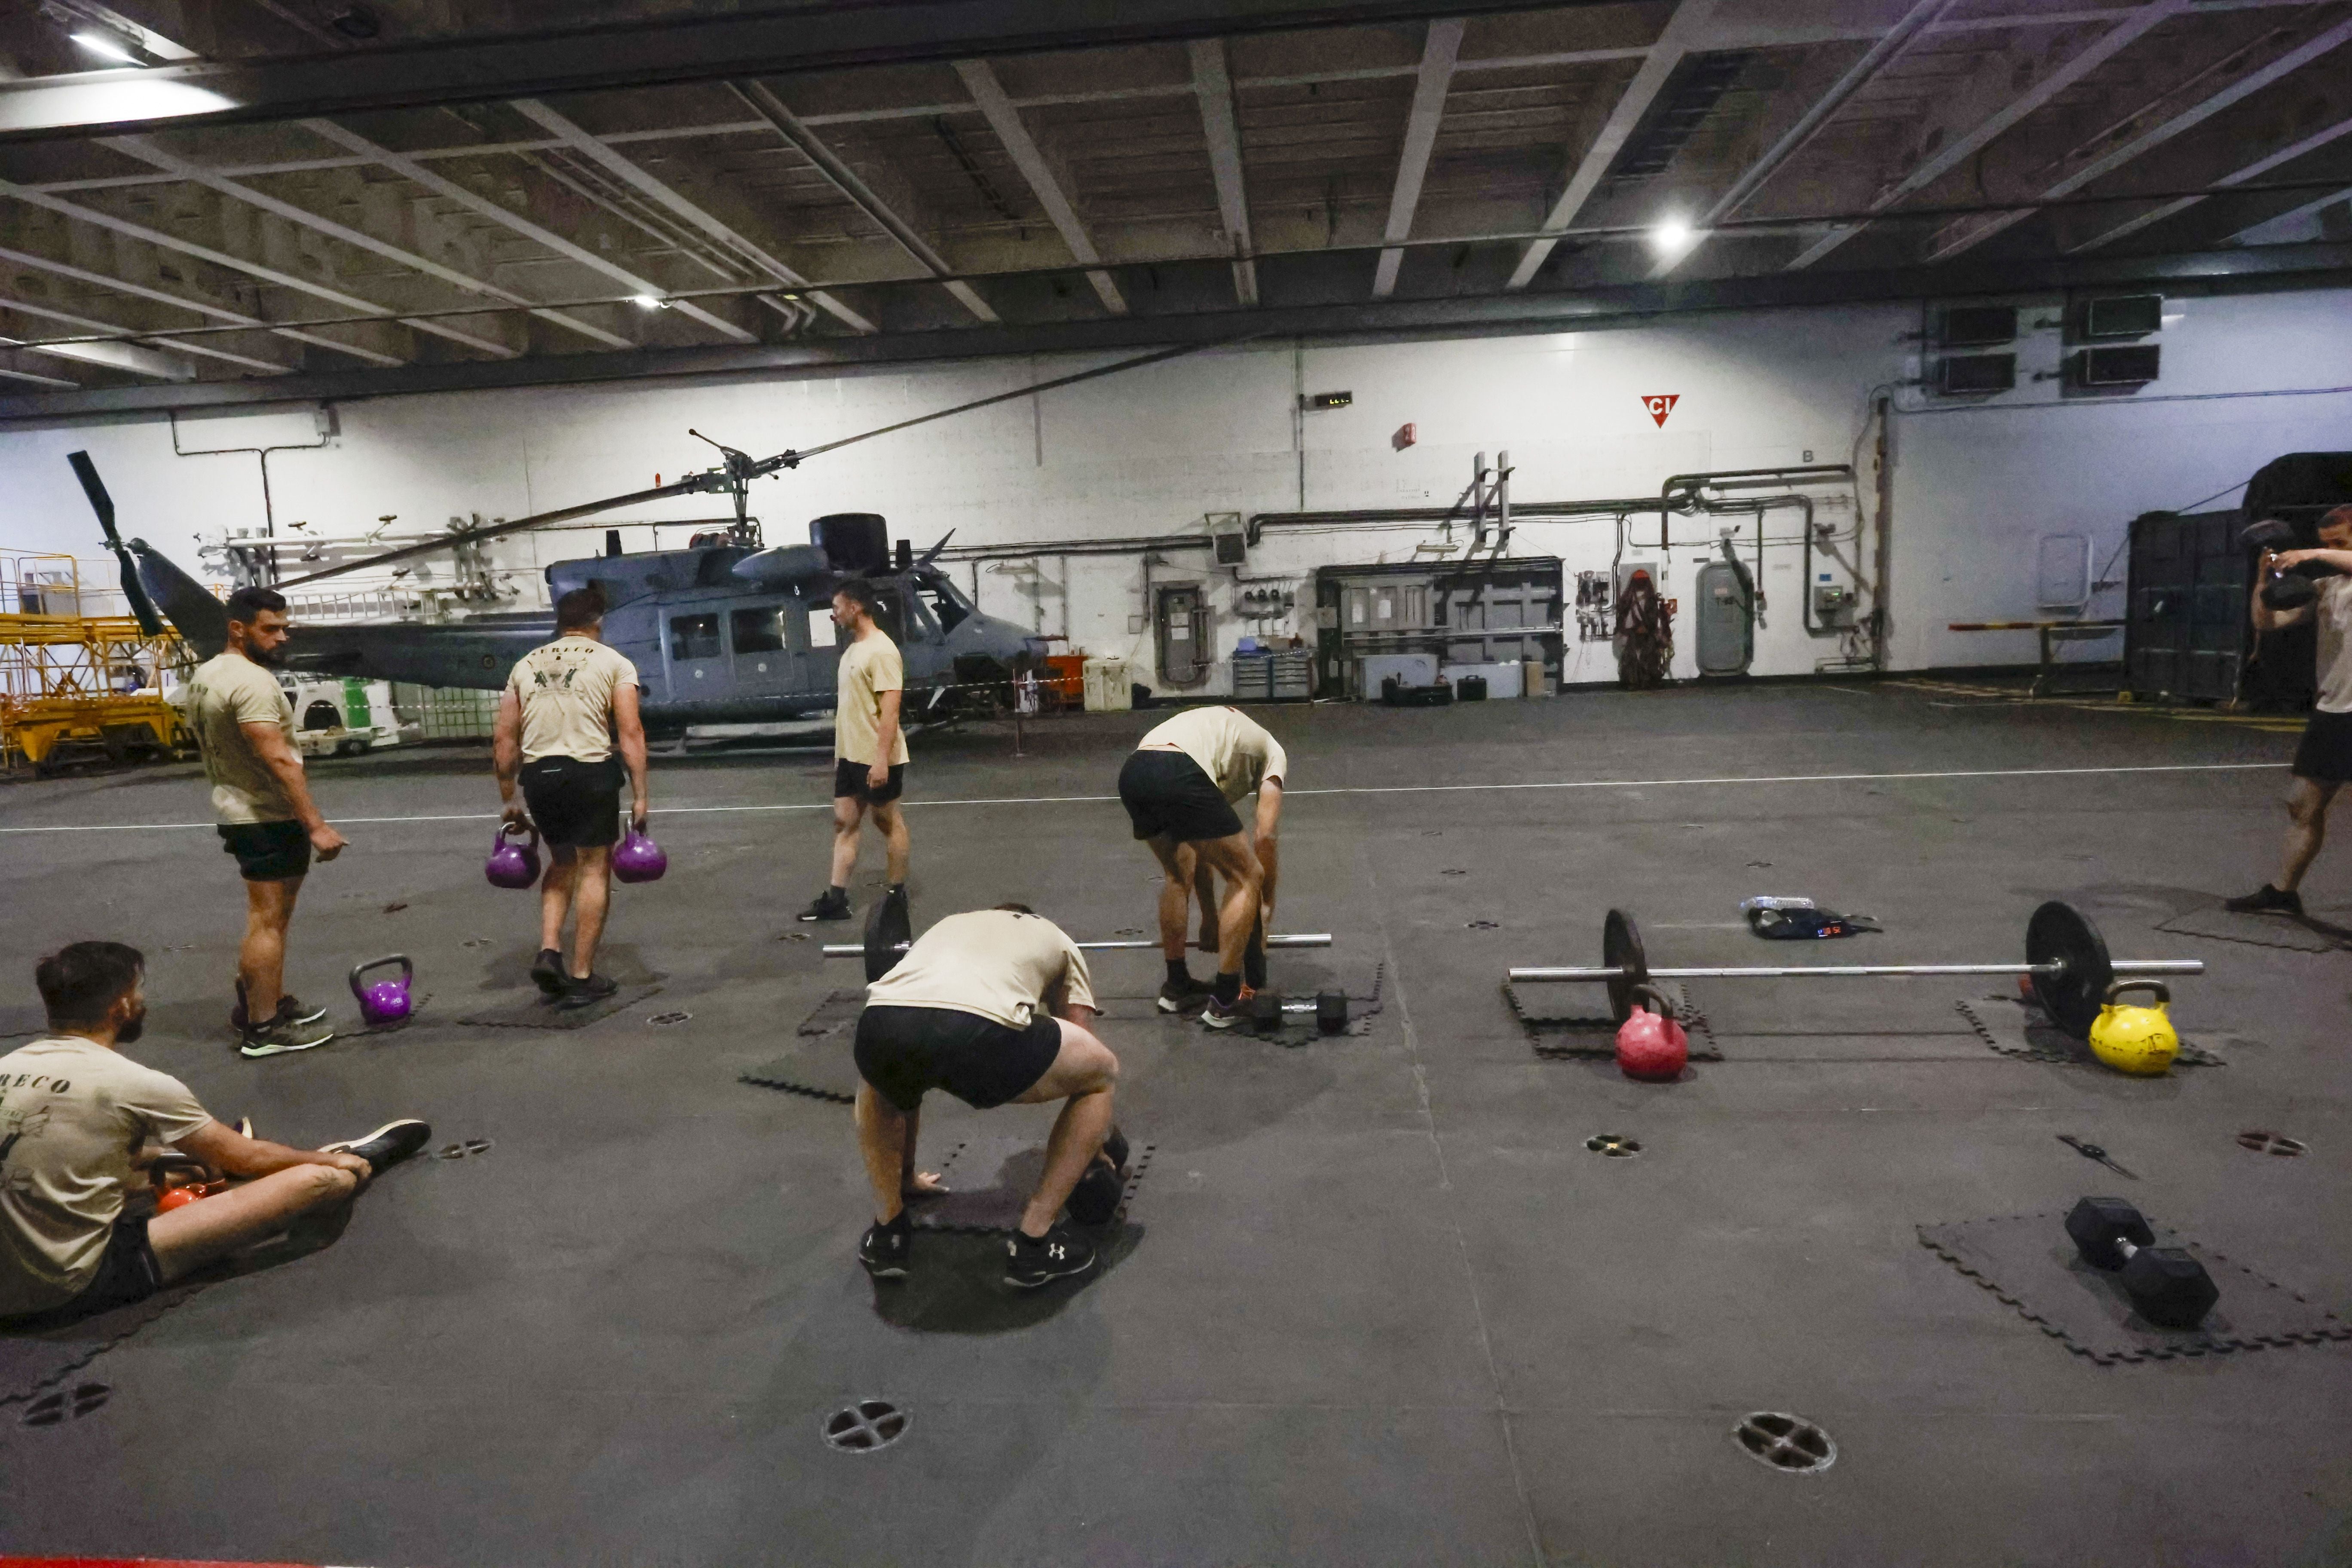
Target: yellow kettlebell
[2137,1040]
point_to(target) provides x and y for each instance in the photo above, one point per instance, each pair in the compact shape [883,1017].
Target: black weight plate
[1620,949]
[1096,1197]
[889,929]
[2062,933]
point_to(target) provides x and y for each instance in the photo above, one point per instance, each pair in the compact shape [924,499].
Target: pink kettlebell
[1650,1044]
[639,859]
[513,865]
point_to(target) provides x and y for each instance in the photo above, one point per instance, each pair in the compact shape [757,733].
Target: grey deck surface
[1376,1302]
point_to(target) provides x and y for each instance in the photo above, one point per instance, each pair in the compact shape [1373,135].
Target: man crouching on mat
[993,1006]
[76,1115]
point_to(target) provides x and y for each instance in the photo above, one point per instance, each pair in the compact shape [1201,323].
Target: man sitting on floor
[992,1006]
[74,1116]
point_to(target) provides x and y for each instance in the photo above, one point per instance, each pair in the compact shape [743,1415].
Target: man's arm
[1269,846]
[284,765]
[506,755]
[225,1149]
[2265,619]
[886,737]
[629,728]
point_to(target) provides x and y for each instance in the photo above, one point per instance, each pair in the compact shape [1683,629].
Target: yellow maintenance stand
[67,680]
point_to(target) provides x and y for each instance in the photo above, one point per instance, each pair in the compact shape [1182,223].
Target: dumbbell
[2295,586]
[1266,1010]
[2167,1284]
[1096,1197]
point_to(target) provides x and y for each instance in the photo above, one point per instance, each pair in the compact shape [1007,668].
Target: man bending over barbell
[2323,762]
[993,1006]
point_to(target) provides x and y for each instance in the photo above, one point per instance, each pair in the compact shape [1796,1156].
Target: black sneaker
[588,991]
[290,1010]
[1184,996]
[388,1144]
[1227,1014]
[884,1249]
[547,971]
[2268,901]
[829,905]
[1056,1255]
[280,1036]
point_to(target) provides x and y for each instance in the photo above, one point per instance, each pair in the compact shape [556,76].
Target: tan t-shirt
[225,693]
[869,666]
[2332,612]
[72,1116]
[566,690]
[1233,750]
[995,962]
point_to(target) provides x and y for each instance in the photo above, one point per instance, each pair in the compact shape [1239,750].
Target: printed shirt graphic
[566,690]
[869,666]
[999,964]
[226,693]
[73,1115]
[1233,748]
[2333,609]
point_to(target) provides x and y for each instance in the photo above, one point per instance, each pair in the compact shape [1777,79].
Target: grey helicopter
[729,630]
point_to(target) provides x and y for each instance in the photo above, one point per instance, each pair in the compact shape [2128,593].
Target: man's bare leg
[892,824]
[848,811]
[1085,1073]
[191,1235]
[2306,812]
[262,957]
[1205,889]
[1175,894]
[885,1140]
[555,895]
[592,892]
[1237,862]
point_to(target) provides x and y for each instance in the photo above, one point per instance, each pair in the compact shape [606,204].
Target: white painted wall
[1151,451]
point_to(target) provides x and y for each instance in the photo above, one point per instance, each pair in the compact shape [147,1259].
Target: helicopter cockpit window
[693,636]
[758,631]
[945,606]
[823,633]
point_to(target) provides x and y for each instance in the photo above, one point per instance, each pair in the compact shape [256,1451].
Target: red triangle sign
[1660,404]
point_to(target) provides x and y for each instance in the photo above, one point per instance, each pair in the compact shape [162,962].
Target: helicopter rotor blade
[103,505]
[933,553]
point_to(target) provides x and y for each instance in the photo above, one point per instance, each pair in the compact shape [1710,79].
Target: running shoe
[290,1010]
[2267,900]
[884,1249]
[281,1035]
[588,991]
[832,904]
[1228,1015]
[1183,996]
[1032,1261]
[547,971]
[387,1145]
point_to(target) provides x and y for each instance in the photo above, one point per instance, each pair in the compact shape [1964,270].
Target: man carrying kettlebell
[2322,762]
[992,1006]
[77,1119]
[565,706]
[870,745]
[1180,786]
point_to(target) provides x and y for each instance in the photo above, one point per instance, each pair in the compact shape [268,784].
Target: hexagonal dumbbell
[2167,1284]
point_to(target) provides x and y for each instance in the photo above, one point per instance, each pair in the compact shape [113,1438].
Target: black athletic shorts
[905,1052]
[849,779]
[1166,792]
[127,1272]
[268,851]
[576,805]
[2325,754]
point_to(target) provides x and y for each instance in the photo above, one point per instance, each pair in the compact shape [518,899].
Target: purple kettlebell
[513,865]
[639,859]
[386,1001]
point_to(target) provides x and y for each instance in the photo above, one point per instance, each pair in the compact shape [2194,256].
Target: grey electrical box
[1832,604]
[1727,619]
[1184,635]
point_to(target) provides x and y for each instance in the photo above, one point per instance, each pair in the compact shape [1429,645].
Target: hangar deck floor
[1375,1303]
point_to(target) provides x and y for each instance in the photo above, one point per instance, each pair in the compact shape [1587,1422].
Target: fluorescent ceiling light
[1671,237]
[105,46]
[648,302]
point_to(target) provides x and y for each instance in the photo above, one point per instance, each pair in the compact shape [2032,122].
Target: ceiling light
[1671,237]
[648,302]
[106,46]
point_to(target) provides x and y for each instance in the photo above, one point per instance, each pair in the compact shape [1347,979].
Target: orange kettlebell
[1651,1045]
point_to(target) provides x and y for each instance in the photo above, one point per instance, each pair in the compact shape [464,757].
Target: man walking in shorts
[869,770]
[558,718]
[1178,787]
[992,1006]
[2323,762]
[245,727]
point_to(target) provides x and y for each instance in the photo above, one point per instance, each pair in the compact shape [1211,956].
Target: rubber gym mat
[2312,934]
[2027,1261]
[823,1068]
[535,1012]
[839,1007]
[2019,1028]
[1557,1035]
[35,1359]
[22,1023]
[989,1182]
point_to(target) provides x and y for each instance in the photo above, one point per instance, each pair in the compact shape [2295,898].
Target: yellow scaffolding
[68,679]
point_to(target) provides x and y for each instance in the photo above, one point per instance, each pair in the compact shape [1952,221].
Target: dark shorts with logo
[905,1052]
[127,1272]
[1167,792]
[850,779]
[268,851]
[2325,754]
[576,805]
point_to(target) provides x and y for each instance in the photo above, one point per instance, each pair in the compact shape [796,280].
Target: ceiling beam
[1213,85]
[138,337]
[569,134]
[128,357]
[1440,46]
[852,184]
[1957,150]
[1680,36]
[1968,233]
[200,307]
[2238,176]
[980,80]
[11,374]
[473,201]
[2263,233]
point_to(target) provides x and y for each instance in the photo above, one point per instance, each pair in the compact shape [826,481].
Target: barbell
[2066,958]
[891,931]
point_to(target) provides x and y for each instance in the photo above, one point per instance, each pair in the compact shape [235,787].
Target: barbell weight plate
[2060,933]
[1620,950]
[889,929]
